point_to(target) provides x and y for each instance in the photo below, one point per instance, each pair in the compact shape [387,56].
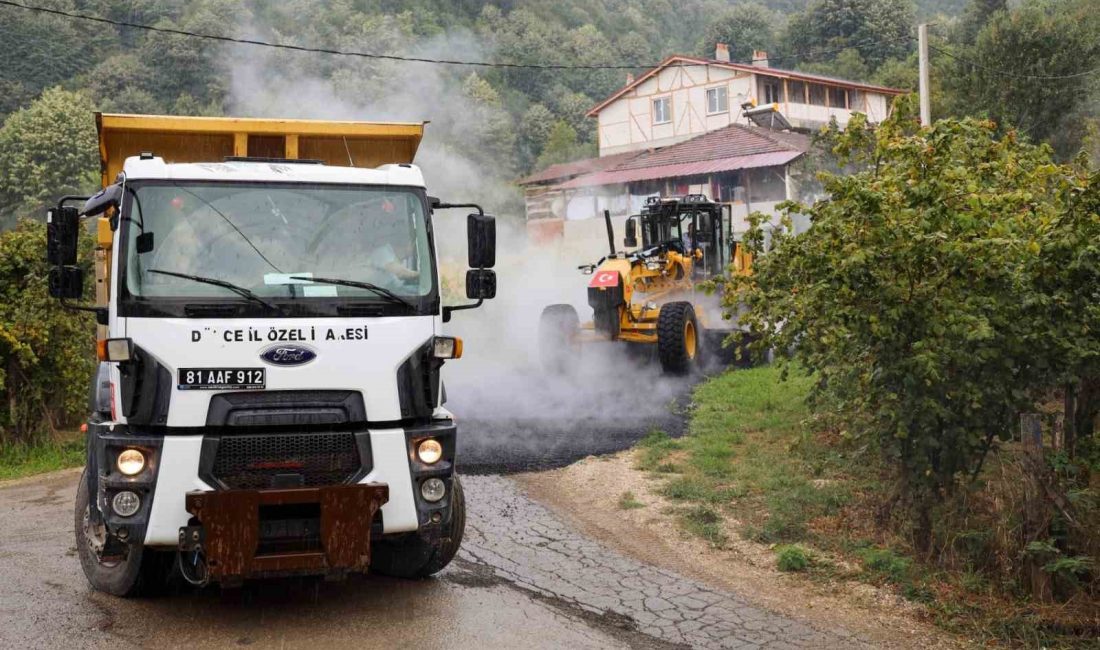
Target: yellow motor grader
[648,296]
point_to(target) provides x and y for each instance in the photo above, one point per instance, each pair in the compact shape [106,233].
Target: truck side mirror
[631,239]
[108,197]
[66,282]
[62,232]
[481,234]
[481,284]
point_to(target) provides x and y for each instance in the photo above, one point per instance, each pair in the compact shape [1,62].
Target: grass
[705,522]
[792,558]
[17,461]
[627,501]
[755,454]
[748,452]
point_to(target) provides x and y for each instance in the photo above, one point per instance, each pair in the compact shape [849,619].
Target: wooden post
[1031,430]
[924,84]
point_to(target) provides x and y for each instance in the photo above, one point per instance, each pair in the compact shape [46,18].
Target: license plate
[222,378]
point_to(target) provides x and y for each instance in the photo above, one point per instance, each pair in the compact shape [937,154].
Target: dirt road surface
[523,578]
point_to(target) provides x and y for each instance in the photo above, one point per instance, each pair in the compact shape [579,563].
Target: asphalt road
[516,417]
[523,578]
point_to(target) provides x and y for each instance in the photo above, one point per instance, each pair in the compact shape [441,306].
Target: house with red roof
[730,131]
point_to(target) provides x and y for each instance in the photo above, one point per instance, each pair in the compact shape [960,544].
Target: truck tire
[142,572]
[558,327]
[677,338]
[412,556]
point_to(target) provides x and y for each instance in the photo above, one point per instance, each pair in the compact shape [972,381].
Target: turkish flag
[605,279]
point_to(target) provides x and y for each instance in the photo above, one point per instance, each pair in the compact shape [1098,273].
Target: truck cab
[270,332]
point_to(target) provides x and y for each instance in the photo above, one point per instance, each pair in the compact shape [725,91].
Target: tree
[489,134]
[1066,299]
[46,359]
[47,150]
[908,298]
[847,65]
[1041,39]
[562,146]
[534,131]
[744,28]
[877,29]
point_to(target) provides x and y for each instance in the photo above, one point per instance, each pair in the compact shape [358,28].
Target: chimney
[760,58]
[629,78]
[722,52]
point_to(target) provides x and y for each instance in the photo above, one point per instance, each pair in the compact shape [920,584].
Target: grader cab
[648,296]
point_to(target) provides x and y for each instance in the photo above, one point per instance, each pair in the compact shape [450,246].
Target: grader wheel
[678,338]
[558,348]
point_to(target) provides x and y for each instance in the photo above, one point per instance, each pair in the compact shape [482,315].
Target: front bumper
[265,533]
[177,469]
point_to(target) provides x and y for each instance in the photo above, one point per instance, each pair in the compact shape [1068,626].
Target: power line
[319,50]
[393,57]
[1014,75]
[803,56]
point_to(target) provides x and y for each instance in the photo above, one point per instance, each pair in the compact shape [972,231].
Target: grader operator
[648,296]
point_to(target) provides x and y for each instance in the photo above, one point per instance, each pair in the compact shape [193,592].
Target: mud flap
[297,531]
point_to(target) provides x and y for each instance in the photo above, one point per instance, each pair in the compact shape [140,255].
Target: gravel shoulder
[586,495]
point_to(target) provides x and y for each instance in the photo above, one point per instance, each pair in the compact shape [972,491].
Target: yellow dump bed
[212,139]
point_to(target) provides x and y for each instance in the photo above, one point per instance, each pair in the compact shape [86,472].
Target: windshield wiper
[240,291]
[358,284]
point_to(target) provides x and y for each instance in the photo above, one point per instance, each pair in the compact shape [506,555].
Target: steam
[513,413]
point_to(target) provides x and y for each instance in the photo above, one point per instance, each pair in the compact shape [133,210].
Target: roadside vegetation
[19,460]
[758,463]
[936,329]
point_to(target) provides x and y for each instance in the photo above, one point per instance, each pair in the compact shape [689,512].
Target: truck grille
[261,461]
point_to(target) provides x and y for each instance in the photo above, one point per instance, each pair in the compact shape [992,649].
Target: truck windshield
[271,239]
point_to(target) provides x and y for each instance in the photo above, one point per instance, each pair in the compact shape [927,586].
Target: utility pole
[925,91]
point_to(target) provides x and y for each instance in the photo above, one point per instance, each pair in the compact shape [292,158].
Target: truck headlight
[429,451]
[433,490]
[131,462]
[126,503]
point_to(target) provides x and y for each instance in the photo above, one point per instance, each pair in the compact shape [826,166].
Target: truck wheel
[142,571]
[677,338]
[414,557]
[558,328]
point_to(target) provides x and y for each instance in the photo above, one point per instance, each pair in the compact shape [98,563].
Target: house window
[838,98]
[770,90]
[817,95]
[717,100]
[796,92]
[662,110]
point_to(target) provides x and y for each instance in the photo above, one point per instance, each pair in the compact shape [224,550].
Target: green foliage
[46,357]
[884,564]
[791,558]
[655,449]
[18,460]
[877,29]
[910,299]
[848,64]
[744,28]
[1038,38]
[562,146]
[47,150]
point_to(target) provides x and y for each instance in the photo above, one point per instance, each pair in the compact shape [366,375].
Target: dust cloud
[512,413]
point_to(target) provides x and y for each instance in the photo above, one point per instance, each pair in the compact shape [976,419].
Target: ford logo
[288,355]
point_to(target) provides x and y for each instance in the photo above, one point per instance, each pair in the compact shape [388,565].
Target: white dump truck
[268,400]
